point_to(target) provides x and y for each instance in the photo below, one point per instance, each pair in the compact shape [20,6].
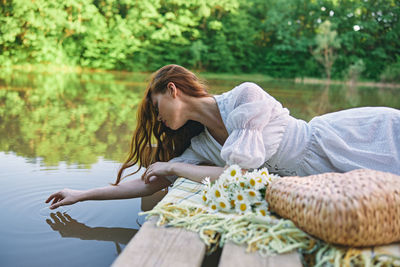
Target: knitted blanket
[183,207]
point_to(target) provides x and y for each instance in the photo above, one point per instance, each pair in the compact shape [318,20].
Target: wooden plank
[161,246]
[234,255]
[392,249]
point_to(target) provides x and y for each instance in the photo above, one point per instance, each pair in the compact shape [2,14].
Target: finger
[52,196]
[62,218]
[55,218]
[146,172]
[52,225]
[68,217]
[55,200]
[49,222]
[150,178]
[147,178]
[58,204]
[56,196]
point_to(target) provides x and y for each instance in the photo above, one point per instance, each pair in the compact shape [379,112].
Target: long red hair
[168,143]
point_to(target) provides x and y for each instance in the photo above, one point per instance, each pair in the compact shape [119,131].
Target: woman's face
[169,108]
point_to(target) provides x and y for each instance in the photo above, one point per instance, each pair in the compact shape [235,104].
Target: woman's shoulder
[243,88]
[247,92]
[247,86]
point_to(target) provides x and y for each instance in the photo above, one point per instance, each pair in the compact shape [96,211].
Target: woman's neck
[205,110]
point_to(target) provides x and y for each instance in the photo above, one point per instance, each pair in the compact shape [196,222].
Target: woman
[245,126]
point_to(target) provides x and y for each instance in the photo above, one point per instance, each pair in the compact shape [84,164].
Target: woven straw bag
[357,208]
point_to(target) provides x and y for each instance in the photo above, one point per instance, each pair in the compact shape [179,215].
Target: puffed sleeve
[252,110]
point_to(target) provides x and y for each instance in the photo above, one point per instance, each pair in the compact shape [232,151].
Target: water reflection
[77,117]
[68,227]
[67,116]
[71,228]
[73,129]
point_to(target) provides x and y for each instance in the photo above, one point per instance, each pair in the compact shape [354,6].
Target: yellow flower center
[232,202]
[240,197]
[242,184]
[259,179]
[213,206]
[252,193]
[252,182]
[264,173]
[243,207]
[233,173]
[263,212]
[217,193]
[204,198]
[222,204]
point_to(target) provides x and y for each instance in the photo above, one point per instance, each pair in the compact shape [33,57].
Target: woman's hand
[64,197]
[157,169]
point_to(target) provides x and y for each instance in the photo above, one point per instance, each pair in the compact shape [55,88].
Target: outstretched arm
[193,172]
[126,189]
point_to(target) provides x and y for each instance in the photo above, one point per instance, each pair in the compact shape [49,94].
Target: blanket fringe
[268,236]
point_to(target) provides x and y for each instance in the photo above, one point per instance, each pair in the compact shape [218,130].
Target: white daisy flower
[222,179]
[243,207]
[215,193]
[239,196]
[253,195]
[262,210]
[252,181]
[233,172]
[234,191]
[224,184]
[223,204]
[214,206]
[260,181]
[264,172]
[204,196]
[243,183]
[218,190]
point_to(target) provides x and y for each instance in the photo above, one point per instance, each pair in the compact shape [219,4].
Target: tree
[326,41]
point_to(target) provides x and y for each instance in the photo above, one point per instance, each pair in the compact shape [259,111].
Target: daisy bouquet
[238,192]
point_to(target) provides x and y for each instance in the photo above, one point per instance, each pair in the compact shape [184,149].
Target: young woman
[184,131]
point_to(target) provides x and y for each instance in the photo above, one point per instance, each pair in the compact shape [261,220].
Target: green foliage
[77,117]
[354,71]
[326,45]
[392,72]
[266,36]
[67,116]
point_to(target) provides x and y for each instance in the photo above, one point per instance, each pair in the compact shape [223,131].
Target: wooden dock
[170,246]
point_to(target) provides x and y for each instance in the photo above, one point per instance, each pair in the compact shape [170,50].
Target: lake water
[60,129]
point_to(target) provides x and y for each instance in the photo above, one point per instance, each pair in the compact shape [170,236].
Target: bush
[392,72]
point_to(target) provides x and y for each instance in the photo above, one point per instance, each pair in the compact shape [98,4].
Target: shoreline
[350,83]
[208,75]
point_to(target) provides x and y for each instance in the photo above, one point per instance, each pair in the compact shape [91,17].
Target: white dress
[263,134]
